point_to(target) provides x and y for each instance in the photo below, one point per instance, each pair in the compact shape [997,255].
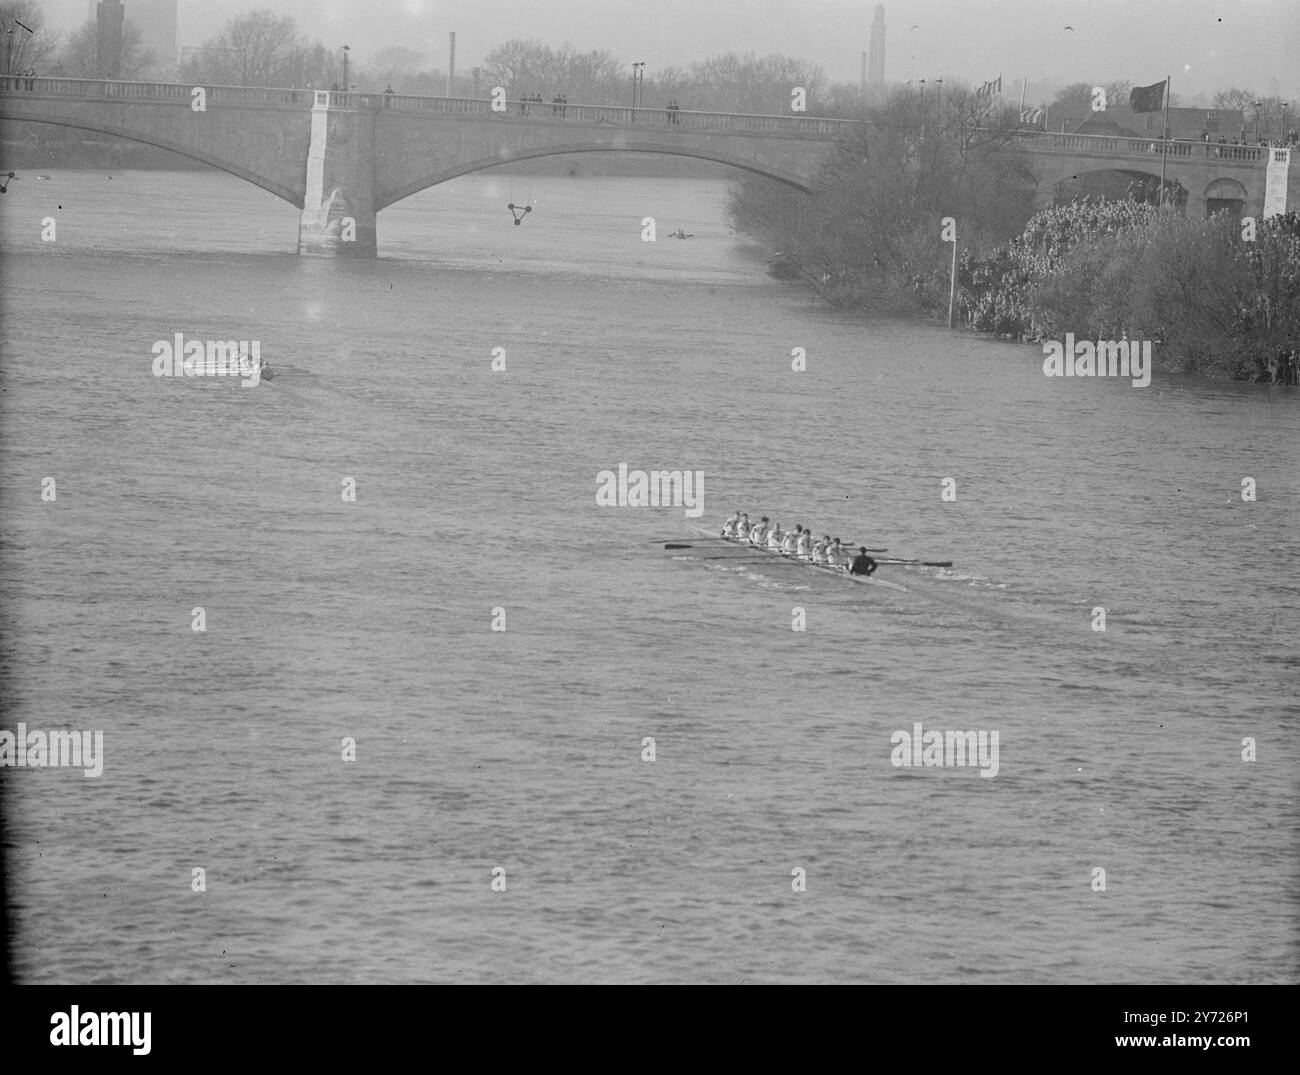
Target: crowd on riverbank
[1214,300]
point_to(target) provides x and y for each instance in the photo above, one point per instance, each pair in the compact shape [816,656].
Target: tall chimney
[876,68]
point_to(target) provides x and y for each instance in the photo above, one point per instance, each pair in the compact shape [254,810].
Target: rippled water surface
[476,749]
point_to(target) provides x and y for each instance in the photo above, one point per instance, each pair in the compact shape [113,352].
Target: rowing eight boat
[837,571]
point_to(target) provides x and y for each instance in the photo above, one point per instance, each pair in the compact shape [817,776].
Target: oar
[918,563]
[672,545]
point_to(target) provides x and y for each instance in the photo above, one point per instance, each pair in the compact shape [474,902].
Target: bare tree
[734,83]
[595,77]
[513,64]
[27,45]
[1234,99]
[257,49]
[79,56]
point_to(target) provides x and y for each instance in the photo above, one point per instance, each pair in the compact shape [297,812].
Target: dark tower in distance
[108,39]
[876,58]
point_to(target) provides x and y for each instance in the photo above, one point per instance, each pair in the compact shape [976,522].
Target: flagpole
[1164,145]
[1022,93]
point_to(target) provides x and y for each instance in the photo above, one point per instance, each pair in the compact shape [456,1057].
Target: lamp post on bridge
[346,50]
[1258,106]
[1281,127]
[638,74]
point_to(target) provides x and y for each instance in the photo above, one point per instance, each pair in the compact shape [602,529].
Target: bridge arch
[1050,176]
[293,197]
[387,198]
[1225,195]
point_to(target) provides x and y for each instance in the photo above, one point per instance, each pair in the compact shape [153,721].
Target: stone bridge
[1250,179]
[342,157]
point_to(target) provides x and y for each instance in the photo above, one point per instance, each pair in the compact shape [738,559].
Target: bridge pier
[338,215]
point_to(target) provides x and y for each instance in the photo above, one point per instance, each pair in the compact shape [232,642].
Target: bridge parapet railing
[668,119]
[674,119]
[114,89]
[1123,145]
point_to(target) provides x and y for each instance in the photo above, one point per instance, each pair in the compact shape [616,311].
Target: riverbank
[1216,297]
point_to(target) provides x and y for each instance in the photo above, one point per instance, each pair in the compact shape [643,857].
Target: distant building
[159,30]
[876,57]
[108,38]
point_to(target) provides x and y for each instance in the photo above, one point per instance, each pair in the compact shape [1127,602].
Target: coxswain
[758,535]
[862,563]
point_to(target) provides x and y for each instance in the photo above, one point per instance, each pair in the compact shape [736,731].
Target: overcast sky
[1205,46]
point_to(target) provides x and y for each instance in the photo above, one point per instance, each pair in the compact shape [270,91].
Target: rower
[803,547]
[758,535]
[836,555]
[791,541]
[821,549]
[741,529]
[862,563]
[774,536]
[729,527]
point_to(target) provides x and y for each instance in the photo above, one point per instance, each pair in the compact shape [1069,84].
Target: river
[485,756]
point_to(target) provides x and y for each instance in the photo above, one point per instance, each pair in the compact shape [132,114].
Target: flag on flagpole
[990,88]
[1147,98]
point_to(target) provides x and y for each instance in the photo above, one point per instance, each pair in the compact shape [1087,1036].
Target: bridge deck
[683,121]
[111,90]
